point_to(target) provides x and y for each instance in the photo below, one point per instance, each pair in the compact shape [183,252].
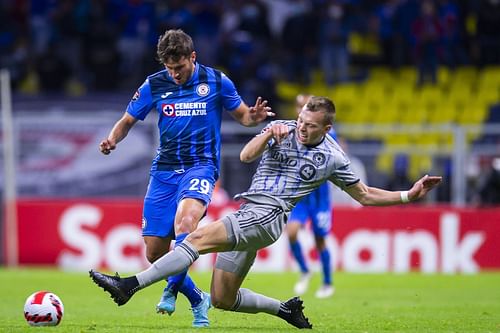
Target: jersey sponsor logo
[283,158]
[307,172]
[184,109]
[202,89]
[165,95]
[319,159]
[136,96]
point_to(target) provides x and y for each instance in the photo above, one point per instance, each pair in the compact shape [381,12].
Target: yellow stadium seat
[474,113]
[385,162]
[398,139]
[381,74]
[414,114]
[445,140]
[403,93]
[429,91]
[464,75]
[490,75]
[429,96]
[386,114]
[458,95]
[488,94]
[419,164]
[344,112]
[346,91]
[317,89]
[375,91]
[443,76]
[362,114]
[428,139]
[407,75]
[442,114]
[288,91]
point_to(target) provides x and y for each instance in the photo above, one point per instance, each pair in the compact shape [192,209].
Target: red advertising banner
[84,234]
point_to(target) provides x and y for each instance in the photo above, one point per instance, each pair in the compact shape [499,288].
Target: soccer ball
[43,308]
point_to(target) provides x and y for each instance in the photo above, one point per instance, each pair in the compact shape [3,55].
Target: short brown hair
[318,104]
[174,45]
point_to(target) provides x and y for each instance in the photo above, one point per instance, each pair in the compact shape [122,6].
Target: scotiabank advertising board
[80,234]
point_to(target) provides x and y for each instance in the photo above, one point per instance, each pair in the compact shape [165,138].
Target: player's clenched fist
[106,146]
[280,132]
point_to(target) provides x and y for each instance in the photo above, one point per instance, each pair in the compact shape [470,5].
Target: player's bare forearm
[117,134]
[255,147]
[373,196]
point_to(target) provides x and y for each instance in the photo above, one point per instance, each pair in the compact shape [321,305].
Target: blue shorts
[166,189]
[316,207]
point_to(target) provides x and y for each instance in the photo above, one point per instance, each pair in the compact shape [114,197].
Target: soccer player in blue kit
[189,99]
[315,207]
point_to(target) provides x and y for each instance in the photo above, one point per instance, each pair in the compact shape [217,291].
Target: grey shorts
[252,227]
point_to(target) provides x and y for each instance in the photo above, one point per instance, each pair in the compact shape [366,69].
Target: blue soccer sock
[297,254]
[191,291]
[324,256]
[175,282]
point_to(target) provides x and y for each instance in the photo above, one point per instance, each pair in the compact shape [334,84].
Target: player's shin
[172,263]
[299,257]
[175,282]
[326,267]
[250,302]
[191,291]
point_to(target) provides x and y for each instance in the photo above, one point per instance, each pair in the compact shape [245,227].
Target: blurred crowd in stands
[79,47]
[76,46]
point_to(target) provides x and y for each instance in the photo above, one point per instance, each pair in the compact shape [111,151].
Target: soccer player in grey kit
[297,156]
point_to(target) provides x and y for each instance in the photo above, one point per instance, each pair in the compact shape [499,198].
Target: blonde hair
[322,104]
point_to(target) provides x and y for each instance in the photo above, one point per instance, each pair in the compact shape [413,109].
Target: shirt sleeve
[343,176]
[142,102]
[230,97]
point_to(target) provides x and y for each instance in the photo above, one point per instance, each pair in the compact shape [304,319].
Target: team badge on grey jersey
[319,159]
[307,172]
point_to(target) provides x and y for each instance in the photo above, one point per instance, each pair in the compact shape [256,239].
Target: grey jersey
[289,171]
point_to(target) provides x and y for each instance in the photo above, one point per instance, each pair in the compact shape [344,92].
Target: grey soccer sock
[250,302]
[171,263]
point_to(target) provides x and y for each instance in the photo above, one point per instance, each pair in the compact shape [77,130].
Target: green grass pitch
[362,303]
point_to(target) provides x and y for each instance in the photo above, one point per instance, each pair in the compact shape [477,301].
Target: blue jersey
[189,116]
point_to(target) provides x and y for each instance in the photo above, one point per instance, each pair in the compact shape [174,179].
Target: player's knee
[186,224]
[292,231]
[320,243]
[221,302]
[152,255]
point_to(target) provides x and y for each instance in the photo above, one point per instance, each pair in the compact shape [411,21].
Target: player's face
[182,70]
[311,127]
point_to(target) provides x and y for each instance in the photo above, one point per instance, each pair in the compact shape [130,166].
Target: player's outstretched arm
[252,115]
[117,133]
[373,196]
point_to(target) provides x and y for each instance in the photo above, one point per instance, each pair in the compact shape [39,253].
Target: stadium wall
[83,234]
